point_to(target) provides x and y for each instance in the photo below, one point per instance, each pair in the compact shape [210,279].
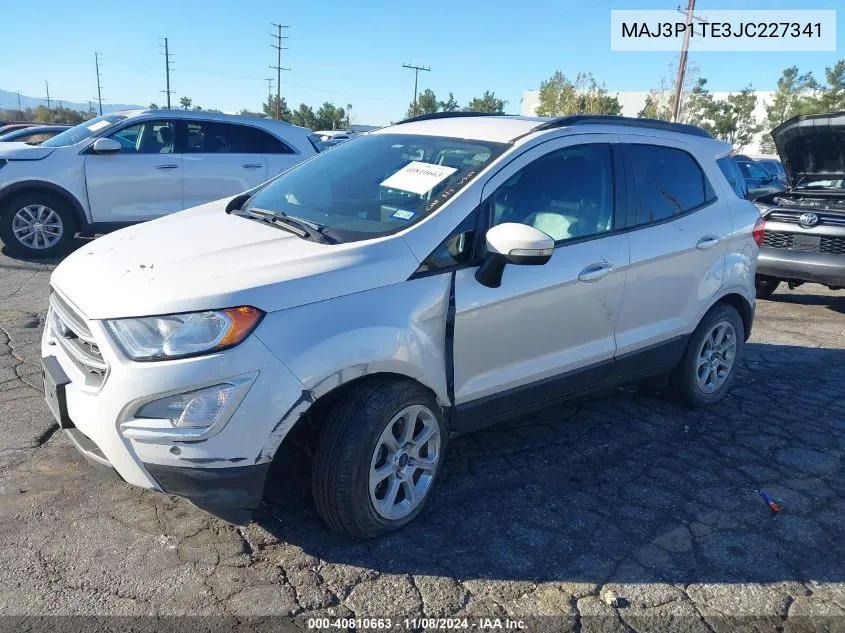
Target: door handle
[252,166]
[708,241]
[596,271]
[167,166]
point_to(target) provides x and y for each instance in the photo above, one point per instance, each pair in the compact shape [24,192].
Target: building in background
[633,102]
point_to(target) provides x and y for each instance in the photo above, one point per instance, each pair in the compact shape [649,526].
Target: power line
[416,70]
[167,70]
[99,85]
[278,67]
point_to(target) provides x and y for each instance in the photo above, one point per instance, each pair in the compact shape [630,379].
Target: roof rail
[653,124]
[444,115]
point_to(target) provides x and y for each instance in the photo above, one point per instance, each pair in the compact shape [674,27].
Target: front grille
[72,333]
[827,244]
[791,217]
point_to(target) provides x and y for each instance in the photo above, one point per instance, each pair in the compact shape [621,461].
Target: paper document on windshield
[99,125]
[418,177]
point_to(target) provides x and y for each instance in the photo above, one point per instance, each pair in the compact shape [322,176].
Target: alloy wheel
[715,357]
[37,226]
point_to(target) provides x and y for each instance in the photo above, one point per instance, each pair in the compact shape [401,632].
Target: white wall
[633,102]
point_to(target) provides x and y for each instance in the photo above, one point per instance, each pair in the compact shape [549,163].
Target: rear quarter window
[733,174]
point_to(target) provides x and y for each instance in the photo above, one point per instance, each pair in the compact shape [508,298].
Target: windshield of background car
[82,131]
[377,184]
[822,184]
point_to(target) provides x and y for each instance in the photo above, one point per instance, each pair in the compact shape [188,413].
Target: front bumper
[222,472]
[824,268]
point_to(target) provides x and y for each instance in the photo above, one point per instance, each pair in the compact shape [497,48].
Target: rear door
[679,235]
[143,181]
[219,160]
[280,156]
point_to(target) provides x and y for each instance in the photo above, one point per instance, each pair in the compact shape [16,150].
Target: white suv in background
[128,167]
[428,279]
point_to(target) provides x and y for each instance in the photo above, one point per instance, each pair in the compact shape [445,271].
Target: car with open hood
[417,282]
[804,237]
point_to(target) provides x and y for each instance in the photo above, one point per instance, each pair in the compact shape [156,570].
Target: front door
[547,330]
[142,182]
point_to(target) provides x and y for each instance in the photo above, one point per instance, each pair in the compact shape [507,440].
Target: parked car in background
[335,135]
[774,167]
[804,237]
[10,127]
[128,167]
[34,135]
[425,280]
[758,179]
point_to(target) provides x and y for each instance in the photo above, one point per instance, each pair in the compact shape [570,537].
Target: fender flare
[66,195]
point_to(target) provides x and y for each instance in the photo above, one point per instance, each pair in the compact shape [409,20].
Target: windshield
[822,184]
[82,131]
[375,185]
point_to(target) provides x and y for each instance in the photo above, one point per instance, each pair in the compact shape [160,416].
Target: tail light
[759,231]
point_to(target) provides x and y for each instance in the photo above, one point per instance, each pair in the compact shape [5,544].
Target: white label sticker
[401,214]
[99,125]
[418,177]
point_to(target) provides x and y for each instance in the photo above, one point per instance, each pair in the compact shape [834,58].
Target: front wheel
[37,224]
[711,358]
[378,457]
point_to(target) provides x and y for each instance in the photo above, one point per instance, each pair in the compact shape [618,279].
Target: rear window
[732,173]
[669,183]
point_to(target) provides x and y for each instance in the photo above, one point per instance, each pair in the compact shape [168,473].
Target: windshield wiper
[303,228]
[297,226]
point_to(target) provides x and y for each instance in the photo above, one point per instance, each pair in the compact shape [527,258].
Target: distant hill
[9,100]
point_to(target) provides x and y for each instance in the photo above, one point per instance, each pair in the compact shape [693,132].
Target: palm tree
[185,102]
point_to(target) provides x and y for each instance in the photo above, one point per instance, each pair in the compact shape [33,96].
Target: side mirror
[512,243]
[106,146]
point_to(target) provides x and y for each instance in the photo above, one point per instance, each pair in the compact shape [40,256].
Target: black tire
[684,379]
[63,209]
[765,286]
[345,449]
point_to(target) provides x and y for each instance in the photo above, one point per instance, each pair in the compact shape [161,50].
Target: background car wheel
[711,358]
[378,457]
[37,224]
[765,286]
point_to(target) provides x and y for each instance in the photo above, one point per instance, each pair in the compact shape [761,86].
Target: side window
[756,171]
[213,137]
[567,193]
[35,139]
[669,182]
[731,170]
[265,143]
[456,249]
[149,137]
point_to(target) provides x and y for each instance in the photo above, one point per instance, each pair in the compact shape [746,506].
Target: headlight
[179,335]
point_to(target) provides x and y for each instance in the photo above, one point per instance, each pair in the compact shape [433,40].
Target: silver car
[414,283]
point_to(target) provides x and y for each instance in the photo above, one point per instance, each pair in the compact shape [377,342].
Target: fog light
[192,409]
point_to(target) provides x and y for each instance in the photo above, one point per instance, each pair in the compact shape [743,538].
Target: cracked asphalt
[617,513]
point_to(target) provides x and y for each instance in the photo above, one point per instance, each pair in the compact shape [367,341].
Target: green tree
[659,102]
[733,119]
[656,107]
[330,117]
[426,104]
[185,102]
[450,105]
[304,116]
[269,108]
[831,97]
[348,125]
[559,96]
[488,103]
[153,106]
[699,107]
[794,95]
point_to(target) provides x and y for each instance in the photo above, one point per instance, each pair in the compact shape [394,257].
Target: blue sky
[352,52]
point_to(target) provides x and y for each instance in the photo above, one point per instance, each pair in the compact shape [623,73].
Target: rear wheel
[378,457]
[37,224]
[765,286]
[711,358]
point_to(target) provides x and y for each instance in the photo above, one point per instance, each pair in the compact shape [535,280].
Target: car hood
[22,151]
[812,147]
[204,258]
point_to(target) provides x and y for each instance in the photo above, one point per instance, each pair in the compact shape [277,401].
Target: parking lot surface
[621,512]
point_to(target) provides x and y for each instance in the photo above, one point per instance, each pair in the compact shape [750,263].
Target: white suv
[128,167]
[420,281]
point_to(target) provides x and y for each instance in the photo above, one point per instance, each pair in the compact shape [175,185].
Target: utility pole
[416,70]
[682,64]
[167,70]
[99,86]
[279,48]
[47,83]
[269,92]
[20,109]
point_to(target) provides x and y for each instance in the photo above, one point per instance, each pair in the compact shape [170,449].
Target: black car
[804,236]
[758,179]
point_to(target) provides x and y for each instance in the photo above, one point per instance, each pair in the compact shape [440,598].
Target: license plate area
[806,243]
[55,382]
